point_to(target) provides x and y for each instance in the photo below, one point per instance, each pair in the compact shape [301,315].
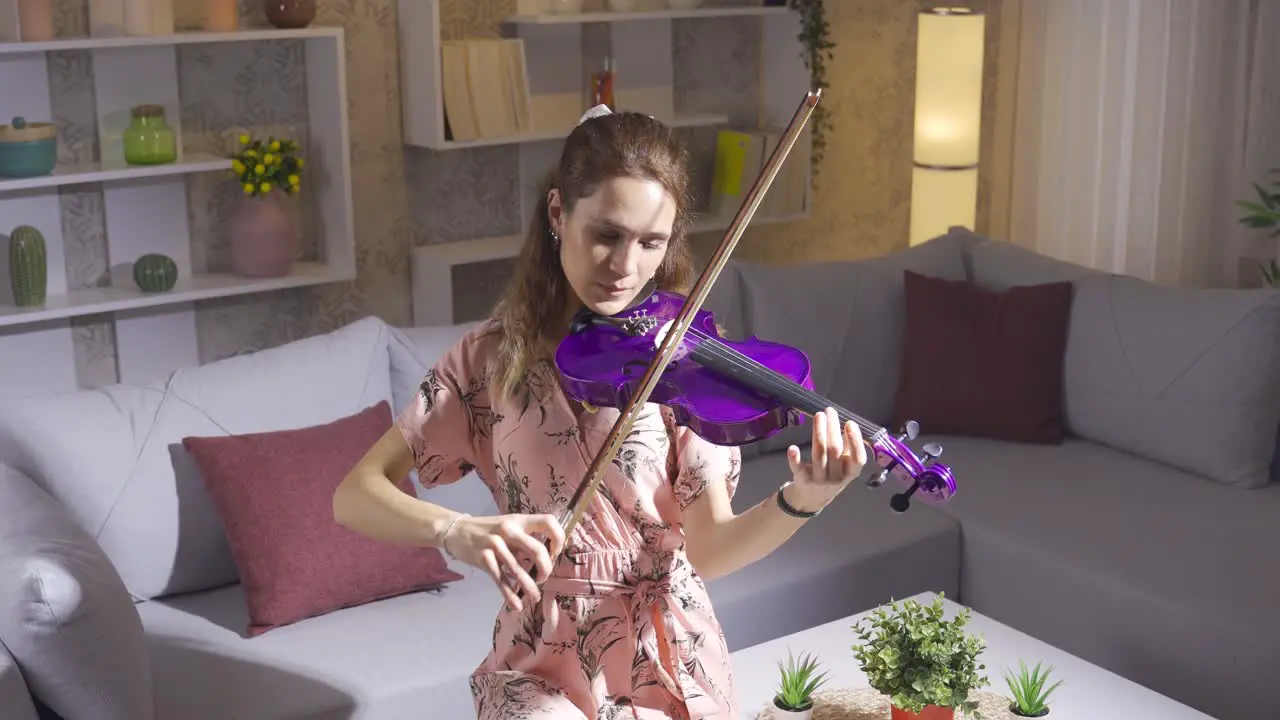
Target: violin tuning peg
[878,479]
[910,430]
[933,450]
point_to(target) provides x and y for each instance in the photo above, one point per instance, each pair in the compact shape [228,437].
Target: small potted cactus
[798,682]
[1027,694]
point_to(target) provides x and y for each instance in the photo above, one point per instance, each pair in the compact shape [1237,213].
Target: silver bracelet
[444,539]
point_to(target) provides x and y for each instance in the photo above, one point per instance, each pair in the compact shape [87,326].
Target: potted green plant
[925,664]
[1265,215]
[815,39]
[799,681]
[1028,696]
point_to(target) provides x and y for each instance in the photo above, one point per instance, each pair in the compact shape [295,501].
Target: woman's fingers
[521,539]
[858,444]
[793,460]
[490,560]
[820,444]
[516,572]
[549,524]
[835,439]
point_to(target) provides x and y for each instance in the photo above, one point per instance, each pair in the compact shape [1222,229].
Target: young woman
[621,625]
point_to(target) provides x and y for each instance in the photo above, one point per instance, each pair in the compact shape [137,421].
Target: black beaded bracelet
[786,507]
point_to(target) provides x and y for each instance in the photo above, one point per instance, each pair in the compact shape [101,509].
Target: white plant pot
[778,713]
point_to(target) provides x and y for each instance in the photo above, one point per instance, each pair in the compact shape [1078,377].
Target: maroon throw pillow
[274,494]
[984,363]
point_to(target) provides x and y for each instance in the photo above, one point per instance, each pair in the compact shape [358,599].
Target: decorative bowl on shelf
[28,149]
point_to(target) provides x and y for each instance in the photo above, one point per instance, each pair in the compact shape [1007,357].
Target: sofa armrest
[14,696]
[65,615]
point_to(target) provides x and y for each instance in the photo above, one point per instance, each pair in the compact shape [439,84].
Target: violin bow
[693,303]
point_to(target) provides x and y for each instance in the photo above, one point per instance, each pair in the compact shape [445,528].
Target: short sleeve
[698,462]
[436,423]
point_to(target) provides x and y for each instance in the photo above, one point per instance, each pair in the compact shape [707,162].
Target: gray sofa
[1137,544]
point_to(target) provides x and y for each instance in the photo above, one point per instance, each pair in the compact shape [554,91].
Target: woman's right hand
[502,545]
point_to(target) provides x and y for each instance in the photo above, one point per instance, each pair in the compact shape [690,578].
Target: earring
[555,239]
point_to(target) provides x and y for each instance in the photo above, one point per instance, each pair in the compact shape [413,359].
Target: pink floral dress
[624,628]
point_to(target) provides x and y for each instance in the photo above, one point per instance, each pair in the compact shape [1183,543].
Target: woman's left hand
[838,458]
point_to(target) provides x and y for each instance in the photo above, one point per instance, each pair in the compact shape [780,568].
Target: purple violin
[729,393]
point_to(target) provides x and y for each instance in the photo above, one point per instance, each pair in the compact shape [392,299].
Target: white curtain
[1139,124]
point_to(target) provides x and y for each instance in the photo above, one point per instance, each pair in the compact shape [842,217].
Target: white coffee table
[1088,692]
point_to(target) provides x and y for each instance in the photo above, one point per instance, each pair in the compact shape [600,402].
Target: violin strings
[777,382]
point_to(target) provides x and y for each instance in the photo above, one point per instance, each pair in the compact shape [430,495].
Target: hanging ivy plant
[815,36]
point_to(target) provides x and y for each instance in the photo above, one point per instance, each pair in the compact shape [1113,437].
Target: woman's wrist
[449,530]
[796,503]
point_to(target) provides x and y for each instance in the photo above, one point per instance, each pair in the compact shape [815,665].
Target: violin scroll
[925,476]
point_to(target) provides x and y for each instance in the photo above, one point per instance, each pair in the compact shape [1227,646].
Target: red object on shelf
[602,85]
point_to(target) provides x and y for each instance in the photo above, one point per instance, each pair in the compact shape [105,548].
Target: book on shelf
[740,159]
[485,88]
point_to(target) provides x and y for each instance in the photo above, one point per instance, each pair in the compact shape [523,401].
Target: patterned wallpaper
[405,197]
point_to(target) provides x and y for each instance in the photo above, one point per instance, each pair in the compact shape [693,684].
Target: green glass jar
[149,140]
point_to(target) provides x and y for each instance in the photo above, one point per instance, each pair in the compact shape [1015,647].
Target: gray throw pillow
[65,615]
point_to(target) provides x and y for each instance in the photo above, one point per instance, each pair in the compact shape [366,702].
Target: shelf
[612,17]
[180,38]
[76,174]
[93,301]
[716,224]
[136,210]
[694,120]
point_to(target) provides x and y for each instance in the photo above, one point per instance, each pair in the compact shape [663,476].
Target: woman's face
[613,241]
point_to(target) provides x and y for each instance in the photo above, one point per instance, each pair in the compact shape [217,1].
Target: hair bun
[596,111]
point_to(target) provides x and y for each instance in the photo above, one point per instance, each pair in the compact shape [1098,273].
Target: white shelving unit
[640,42]
[146,207]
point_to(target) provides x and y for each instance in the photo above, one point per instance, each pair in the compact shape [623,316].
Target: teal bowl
[30,158]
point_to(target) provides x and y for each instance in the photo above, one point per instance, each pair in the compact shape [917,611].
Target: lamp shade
[948,110]
[940,199]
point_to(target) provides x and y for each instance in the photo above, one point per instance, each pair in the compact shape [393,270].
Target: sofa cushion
[65,616]
[113,456]
[14,697]
[413,350]
[989,362]
[1186,376]
[856,554]
[397,659]
[274,493]
[848,317]
[1146,570]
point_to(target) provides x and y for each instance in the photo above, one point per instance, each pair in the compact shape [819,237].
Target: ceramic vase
[930,712]
[779,713]
[265,235]
[289,14]
[28,266]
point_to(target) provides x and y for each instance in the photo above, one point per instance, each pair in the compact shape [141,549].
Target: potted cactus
[798,683]
[925,664]
[1028,695]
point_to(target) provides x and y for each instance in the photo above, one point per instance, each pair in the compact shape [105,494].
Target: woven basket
[869,704]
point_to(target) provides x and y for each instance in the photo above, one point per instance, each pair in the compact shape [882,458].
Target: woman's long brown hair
[530,317]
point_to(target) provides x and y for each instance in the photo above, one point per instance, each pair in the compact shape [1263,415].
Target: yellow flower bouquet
[262,166]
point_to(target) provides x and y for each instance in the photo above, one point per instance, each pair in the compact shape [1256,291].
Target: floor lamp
[948,120]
